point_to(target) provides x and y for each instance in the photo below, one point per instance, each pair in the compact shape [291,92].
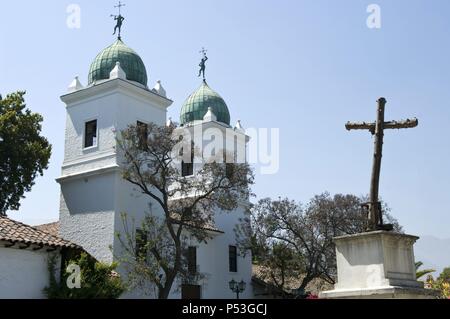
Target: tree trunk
[164,292]
[170,278]
[305,283]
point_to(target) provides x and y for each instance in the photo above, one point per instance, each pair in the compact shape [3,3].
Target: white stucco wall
[213,259]
[93,194]
[23,273]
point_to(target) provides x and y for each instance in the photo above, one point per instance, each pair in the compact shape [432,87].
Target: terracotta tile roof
[209,226]
[262,273]
[51,228]
[15,232]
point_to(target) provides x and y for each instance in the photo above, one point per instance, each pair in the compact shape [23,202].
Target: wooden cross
[373,207]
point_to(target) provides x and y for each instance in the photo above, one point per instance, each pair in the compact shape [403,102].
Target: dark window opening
[186,212]
[90,133]
[232,253]
[142,130]
[190,292]
[229,164]
[187,169]
[229,170]
[192,260]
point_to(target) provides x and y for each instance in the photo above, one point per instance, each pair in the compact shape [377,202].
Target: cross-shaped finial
[120,5]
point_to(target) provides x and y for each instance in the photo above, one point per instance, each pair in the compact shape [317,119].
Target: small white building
[25,253]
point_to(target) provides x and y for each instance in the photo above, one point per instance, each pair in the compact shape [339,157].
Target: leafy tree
[307,231]
[24,153]
[182,207]
[98,280]
[445,275]
[441,284]
[421,273]
[279,264]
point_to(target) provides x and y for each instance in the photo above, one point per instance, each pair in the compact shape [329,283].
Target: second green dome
[129,60]
[197,104]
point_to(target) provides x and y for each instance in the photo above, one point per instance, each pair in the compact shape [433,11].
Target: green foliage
[421,273]
[24,153]
[98,280]
[279,265]
[295,240]
[440,284]
[445,275]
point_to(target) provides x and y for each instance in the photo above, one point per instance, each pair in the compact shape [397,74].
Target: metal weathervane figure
[119,18]
[202,64]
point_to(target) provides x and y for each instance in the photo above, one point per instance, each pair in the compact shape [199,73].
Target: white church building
[94,194]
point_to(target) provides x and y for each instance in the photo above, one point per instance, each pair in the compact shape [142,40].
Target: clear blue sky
[305,67]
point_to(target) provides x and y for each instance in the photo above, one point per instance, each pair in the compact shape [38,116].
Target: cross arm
[360,126]
[408,123]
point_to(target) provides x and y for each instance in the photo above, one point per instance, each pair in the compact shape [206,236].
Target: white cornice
[213,124]
[92,172]
[84,159]
[108,87]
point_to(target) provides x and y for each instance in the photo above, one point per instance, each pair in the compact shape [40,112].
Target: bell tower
[93,193]
[205,115]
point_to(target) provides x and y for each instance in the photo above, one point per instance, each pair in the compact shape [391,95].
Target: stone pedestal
[376,264]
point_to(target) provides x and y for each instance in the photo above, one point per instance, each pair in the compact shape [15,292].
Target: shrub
[98,280]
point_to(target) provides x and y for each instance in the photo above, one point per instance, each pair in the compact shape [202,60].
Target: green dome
[129,60]
[197,104]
